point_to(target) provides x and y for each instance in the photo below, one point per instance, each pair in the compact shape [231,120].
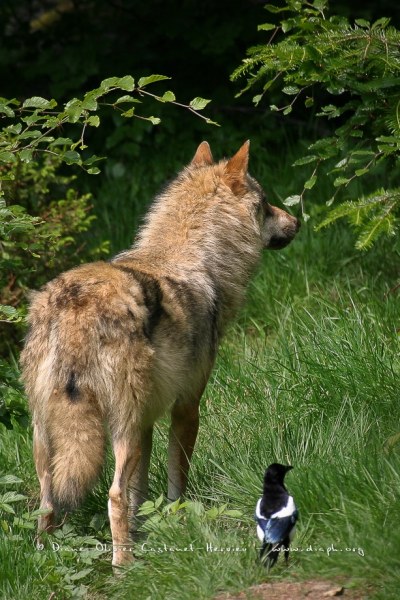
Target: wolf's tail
[77,442]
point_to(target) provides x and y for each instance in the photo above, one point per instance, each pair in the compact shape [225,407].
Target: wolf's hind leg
[182,439]
[42,462]
[127,452]
[139,483]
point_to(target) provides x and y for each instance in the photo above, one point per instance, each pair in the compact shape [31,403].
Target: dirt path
[311,590]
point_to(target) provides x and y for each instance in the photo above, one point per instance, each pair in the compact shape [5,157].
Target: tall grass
[309,376]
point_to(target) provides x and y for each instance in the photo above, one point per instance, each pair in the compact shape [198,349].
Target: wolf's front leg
[182,439]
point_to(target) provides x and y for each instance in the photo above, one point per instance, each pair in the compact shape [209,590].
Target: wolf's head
[277,228]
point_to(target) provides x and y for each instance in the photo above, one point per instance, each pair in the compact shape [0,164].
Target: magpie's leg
[263,551]
[267,558]
[274,554]
[286,543]
[269,554]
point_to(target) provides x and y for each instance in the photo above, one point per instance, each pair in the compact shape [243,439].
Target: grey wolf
[114,345]
[276,515]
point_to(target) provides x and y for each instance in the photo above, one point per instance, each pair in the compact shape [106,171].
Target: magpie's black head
[276,473]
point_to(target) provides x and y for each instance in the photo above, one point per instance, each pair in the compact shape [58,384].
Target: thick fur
[115,345]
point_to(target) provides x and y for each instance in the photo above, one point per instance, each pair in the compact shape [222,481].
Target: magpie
[276,515]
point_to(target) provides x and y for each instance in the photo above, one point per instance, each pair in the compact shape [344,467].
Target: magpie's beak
[288,468]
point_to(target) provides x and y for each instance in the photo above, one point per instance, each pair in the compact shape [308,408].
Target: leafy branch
[34,125]
[311,56]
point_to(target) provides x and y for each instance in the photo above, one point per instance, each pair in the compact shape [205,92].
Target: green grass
[309,375]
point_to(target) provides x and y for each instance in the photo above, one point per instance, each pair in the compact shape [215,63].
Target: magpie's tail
[269,554]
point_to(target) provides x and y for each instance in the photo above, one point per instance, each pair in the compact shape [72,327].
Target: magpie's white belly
[260,533]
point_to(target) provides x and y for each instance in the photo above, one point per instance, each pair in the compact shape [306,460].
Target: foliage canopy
[349,73]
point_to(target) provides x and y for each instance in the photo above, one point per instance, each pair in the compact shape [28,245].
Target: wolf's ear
[203,156]
[236,169]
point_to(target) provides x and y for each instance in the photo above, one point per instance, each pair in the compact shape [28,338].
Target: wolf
[112,346]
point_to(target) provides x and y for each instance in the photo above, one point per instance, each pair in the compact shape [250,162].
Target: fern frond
[381,224]
[371,216]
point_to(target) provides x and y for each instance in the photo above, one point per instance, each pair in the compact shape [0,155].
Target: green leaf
[266,27]
[274,9]
[147,508]
[172,508]
[212,513]
[10,313]
[159,501]
[326,147]
[129,113]
[14,129]
[38,102]
[291,90]
[80,575]
[93,120]
[362,23]
[12,496]
[198,103]
[389,139]
[74,110]
[292,200]
[267,85]
[31,133]
[313,52]
[143,81]
[305,160]
[93,159]
[288,24]
[61,141]
[7,157]
[341,181]
[127,83]
[9,479]
[363,153]
[342,163]
[381,23]
[5,109]
[233,513]
[168,97]
[154,120]
[90,101]
[127,98]
[72,158]
[124,83]
[330,111]
[309,184]
[108,83]
[360,172]
[26,155]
